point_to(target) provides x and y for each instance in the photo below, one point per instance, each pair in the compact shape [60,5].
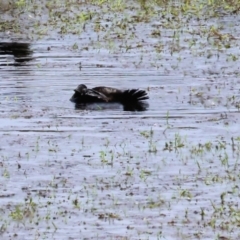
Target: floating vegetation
[171,172]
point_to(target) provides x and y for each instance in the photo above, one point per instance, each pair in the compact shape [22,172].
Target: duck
[82,94]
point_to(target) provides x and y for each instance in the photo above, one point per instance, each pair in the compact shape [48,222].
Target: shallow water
[106,173]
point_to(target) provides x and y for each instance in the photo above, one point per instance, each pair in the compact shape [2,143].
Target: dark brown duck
[107,94]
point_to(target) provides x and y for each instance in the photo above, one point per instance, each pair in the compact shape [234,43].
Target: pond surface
[170,172]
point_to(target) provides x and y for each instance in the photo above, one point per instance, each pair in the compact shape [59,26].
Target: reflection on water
[20,51]
[138,107]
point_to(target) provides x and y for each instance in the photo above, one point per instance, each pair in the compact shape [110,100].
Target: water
[108,173]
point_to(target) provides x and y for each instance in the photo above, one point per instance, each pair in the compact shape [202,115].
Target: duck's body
[107,94]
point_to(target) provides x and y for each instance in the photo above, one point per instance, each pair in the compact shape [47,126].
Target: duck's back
[113,94]
[124,96]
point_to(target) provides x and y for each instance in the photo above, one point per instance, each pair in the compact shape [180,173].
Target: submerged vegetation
[116,19]
[169,173]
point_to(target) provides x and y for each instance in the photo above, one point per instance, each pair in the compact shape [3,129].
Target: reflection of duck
[20,51]
[131,99]
[138,106]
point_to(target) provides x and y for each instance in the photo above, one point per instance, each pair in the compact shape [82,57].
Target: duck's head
[79,92]
[81,89]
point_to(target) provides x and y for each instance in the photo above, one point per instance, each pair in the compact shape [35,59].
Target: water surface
[169,172]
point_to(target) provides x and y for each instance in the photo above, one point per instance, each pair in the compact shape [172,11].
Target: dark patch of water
[20,52]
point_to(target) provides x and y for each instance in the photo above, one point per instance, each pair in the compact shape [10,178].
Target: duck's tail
[134,95]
